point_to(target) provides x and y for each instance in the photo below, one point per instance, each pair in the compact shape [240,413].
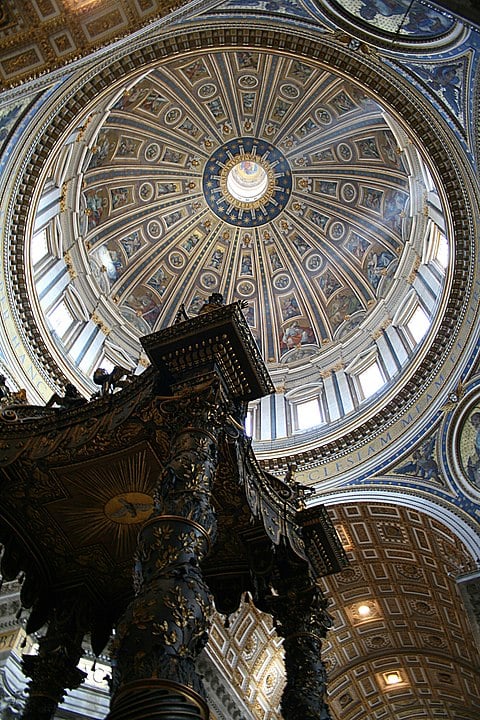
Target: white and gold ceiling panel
[399,621]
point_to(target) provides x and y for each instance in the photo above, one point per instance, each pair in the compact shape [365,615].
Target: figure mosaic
[308,127]
[323,155]
[356,245]
[166,188]
[172,156]
[410,18]
[422,463]
[248,102]
[391,151]
[341,307]
[246,266]
[367,148]
[145,304]
[195,71]
[280,110]
[249,313]
[7,118]
[328,283]
[301,244]
[300,71]
[190,242]
[394,208]
[188,127]
[111,261]
[131,244]
[327,188]
[318,218]
[446,80]
[295,335]
[159,281]
[130,97]
[470,447]
[102,150]
[289,307]
[342,103]
[96,201]
[120,196]
[372,199]
[216,108]
[377,264]
[173,218]
[153,102]
[127,147]
[247,59]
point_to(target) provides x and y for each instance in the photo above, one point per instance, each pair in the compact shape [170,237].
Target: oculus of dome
[247,182]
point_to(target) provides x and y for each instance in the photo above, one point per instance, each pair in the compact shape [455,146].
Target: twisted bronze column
[166,625]
[54,669]
[302,620]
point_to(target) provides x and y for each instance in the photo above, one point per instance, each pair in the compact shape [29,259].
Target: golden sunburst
[105,499]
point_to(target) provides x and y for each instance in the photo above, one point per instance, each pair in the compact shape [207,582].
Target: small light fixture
[364,610]
[392,678]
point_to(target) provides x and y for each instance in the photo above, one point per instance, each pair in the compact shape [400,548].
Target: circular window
[247,181]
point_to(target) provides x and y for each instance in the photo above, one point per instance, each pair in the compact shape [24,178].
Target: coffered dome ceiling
[260,176]
[312,250]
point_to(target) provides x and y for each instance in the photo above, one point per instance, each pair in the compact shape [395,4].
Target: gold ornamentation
[129,508]
[100,324]
[69,264]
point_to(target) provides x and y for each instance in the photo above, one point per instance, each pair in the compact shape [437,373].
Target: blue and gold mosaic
[246,156]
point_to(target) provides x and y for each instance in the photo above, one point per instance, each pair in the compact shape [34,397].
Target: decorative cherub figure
[119,377]
[72,398]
